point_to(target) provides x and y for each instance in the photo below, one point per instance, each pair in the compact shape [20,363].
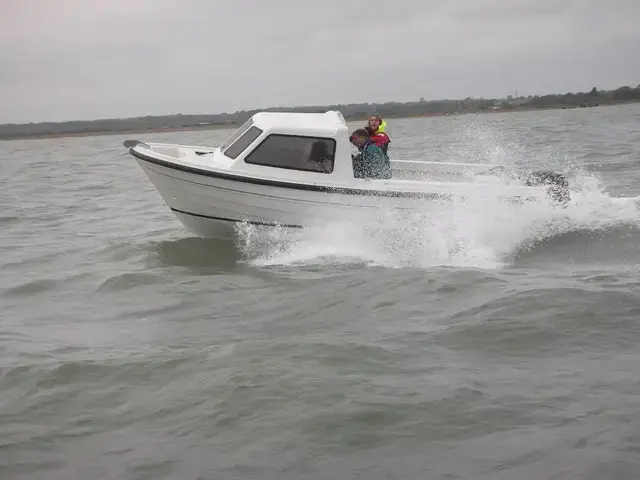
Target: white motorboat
[296,170]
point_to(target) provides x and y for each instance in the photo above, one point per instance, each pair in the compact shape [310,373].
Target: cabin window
[242,142]
[309,154]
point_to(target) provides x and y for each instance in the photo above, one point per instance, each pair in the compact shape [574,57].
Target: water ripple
[482,341]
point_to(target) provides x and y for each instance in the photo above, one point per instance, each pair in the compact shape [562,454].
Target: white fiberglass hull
[211,207]
[210,200]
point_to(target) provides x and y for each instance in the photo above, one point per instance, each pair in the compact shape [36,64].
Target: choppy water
[484,343]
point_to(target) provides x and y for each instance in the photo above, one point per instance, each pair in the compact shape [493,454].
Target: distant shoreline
[231,125]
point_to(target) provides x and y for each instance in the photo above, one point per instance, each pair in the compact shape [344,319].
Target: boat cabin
[306,146]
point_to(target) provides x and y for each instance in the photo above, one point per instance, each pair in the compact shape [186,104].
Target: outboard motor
[557,186]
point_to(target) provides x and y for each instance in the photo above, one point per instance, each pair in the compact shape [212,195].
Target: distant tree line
[350,111]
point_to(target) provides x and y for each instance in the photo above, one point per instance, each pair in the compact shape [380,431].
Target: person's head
[359,137]
[374,122]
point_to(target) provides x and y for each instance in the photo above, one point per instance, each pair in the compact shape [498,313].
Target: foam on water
[482,234]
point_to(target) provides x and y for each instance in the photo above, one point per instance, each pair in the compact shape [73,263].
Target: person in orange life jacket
[371,161]
[376,128]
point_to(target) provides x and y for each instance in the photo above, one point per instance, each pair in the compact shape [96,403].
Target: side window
[237,147]
[309,154]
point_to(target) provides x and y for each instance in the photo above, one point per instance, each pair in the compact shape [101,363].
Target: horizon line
[311,106]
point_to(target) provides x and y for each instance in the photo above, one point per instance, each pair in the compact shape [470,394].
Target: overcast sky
[86,59]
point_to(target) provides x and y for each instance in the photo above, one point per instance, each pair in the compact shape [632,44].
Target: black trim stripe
[209,217]
[282,184]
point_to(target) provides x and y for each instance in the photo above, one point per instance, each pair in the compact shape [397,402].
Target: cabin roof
[330,120]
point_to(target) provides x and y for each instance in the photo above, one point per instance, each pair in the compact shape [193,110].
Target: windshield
[237,134]
[246,139]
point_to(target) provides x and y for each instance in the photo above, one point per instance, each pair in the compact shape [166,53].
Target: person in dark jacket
[371,161]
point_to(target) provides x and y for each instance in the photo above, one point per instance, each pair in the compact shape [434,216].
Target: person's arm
[381,139]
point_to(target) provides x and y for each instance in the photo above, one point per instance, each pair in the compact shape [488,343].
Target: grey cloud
[78,59]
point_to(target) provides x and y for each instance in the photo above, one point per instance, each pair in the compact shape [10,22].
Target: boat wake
[486,233]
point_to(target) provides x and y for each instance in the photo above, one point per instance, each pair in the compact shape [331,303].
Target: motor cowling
[556,183]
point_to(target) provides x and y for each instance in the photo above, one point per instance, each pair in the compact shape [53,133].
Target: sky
[88,59]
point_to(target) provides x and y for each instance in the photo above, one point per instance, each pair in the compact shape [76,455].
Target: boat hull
[211,206]
[206,226]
